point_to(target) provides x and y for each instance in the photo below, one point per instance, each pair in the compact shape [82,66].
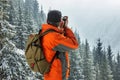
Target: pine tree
[105,70]
[13,65]
[81,51]
[75,61]
[114,68]
[88,68]
[4,5]
[6,32]
[117,68]
[36,11]
[5,28]
[42,16]
[14,12]
[98,54]
[21,29]
[94,55]
[110,59]
[102,67]
[29,20]
[75,70]
[110,56]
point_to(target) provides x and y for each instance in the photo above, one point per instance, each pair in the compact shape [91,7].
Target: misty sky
[93,19]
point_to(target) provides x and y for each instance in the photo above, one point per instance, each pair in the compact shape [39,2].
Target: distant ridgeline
[19,18]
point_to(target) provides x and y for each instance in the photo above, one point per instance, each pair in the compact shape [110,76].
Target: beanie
[54,16]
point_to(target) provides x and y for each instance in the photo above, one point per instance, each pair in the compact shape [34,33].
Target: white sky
[85,15]
[78,9]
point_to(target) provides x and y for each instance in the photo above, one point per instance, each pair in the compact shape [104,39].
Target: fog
[92,19]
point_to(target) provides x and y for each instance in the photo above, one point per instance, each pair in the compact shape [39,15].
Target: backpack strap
[44,33]
[54,57]
[40,35]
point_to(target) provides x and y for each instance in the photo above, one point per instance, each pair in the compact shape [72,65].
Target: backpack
[34,53]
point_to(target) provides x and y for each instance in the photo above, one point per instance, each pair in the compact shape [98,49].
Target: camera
[65,18]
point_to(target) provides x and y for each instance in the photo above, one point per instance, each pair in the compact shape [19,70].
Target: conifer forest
[19,18]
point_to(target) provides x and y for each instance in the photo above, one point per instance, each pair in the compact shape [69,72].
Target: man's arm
[65,42]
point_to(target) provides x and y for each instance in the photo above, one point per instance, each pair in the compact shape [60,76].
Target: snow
[2,49]
[19,51]
[10,26]
[13,65]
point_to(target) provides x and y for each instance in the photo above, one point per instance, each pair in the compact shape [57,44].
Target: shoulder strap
[46,32]
[53,58]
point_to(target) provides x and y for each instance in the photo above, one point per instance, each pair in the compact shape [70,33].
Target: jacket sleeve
[65,42]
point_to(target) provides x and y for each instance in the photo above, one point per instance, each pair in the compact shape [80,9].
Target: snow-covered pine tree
[3,10]
[117,68]
[88,67]
[102,67]
[36,12]
[75,70]
[29,20]
[114,67]
[110,58]
[110,55]
[98,53]
[6,32]
[25,16]
[42,17]
[94,55]
[105,70]
[14,12]
[13,65]
[82,49]
[21,29]
[21,35]
[75,62]
[33,15]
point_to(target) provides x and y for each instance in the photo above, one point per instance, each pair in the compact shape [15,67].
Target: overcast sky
[92,18]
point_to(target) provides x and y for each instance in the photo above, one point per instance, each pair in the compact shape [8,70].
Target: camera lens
[64,19]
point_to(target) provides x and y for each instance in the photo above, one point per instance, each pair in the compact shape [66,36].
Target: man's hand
[65,19]
[64,22]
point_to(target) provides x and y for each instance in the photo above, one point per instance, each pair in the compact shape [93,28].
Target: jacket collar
[48,26]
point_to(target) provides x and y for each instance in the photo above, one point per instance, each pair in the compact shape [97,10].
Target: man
[59,42]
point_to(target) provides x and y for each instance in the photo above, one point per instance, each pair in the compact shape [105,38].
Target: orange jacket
[56,41]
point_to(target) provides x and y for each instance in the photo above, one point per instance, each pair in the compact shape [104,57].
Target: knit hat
[54,16]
